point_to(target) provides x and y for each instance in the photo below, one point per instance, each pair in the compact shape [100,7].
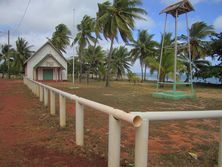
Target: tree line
[117,20]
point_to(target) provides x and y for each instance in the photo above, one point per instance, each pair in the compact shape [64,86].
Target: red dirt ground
[25,137]
[29,136]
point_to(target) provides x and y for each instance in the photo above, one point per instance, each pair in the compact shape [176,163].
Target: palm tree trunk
[145,72]
[187,75]
[87,77]
[9,76]
[141,66]
[3,74]
[93,55]
[108,63]
[80,70]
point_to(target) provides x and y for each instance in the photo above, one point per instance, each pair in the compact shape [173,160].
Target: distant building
[47,63]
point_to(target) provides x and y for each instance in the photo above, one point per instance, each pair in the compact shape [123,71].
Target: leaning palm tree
[96,29]
[120,61]
[22,52]
[199,31]
[61,37]
[143,47]
[83,38]
[118,17]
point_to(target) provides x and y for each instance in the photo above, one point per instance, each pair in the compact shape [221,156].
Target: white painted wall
[49,62]
[47,49]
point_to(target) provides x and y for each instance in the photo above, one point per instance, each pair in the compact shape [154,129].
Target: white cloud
[218,22]
[145,24]
[42,17]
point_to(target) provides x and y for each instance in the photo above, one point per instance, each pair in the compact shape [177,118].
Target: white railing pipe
[118,114]
[141,158]
[179,115]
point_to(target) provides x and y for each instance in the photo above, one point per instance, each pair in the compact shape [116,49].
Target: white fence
[140,120]
[115,116]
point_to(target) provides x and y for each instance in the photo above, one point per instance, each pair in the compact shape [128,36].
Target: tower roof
[182,7]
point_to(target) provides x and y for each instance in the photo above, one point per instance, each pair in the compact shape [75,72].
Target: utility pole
[8,37]
[8,54]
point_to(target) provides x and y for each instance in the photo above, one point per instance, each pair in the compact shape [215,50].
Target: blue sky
[205,10]
[43,15]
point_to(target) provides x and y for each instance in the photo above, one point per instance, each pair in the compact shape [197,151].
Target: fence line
[115,116]
[140,120]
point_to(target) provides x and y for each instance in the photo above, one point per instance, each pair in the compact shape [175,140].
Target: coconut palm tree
[22,52]
[167,66]
[199,31]
[143,47]
[118,17]
[93,61]
[61,37]
[83,38]
[120,61]
[6,54]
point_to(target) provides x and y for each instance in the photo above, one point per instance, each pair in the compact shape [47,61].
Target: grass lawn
[169,141]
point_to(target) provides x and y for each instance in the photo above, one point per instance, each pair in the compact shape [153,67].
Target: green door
[47,74]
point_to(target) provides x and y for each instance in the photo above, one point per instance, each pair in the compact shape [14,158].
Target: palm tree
[120,61]
[118,17]
[6,55]
[61,37]
[96,29]
[93,61]
[142,48]
[84,37]
[198,45]
[22,53]
[167,66]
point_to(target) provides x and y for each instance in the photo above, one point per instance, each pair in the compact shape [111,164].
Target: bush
[132,77]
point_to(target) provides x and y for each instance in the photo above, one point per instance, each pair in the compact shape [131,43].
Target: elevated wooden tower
[177,9]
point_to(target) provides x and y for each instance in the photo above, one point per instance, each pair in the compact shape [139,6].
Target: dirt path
[28,138]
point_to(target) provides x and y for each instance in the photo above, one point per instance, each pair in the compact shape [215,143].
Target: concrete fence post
[31,87]
[79,124]
[141,144]
[41,94]
[52,103]
[220,146]
[46,97]
[114,142]
[37,90]
[62,111]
